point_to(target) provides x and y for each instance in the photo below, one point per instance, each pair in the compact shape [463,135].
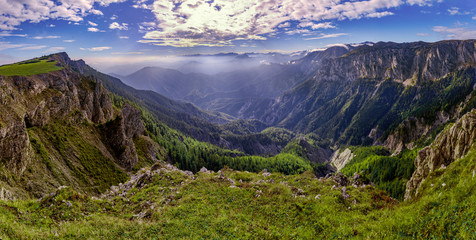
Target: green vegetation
[173,205]
[389,173]
[31,67]
[86,163]
[190,154]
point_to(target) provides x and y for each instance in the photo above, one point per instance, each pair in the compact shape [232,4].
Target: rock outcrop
[120,133]
[34,101]
[450,145]
[41,118]
[409,62]
[340,159]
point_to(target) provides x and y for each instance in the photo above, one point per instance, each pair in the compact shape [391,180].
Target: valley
[371,140]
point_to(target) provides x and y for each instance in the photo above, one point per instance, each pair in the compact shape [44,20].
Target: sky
[121,32]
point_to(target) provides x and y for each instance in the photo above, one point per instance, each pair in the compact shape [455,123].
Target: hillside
[165,202]
[56,129]
[85,156]
[375,94]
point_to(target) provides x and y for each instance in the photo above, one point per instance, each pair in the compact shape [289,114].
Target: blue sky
[105,32]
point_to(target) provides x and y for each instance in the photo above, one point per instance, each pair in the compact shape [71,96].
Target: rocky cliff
[371,92]
[450,145]
[50,129]
[409,62]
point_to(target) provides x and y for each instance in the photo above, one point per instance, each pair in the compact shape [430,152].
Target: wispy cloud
[13,13]
[96,49]
[34,47]
[92,24]
[46,37]
[118,26]
[313,25]
[9,34]
[69,41]
[55,49]
[124,37]
[423,2]
[127,53]
[93,29]
[423,34]
[379,14]
[9,45]
[456,33]
[191,23]
[322,36]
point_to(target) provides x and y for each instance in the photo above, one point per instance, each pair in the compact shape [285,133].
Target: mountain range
[366,130]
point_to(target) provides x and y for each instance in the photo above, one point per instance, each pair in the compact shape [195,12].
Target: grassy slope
[27,68]
[178,206]
[389,173]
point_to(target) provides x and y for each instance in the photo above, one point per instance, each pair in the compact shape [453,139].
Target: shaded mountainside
[55,129]
[213,127]
[369,93]
[232,92]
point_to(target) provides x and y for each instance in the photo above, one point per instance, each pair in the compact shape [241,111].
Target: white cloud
[45,37]
[284,25]
[297,31]
[9,34]
[51,25]
[324,25]
[127,53]
[96,12]
[8,45]
[69,41]
[34,47]
[147,26]
[114,17]
[423,2]
[453,11]
[96,49]
[456,33]
[190,23]
[118,26]
[423,34]
[379,14]
[14,12]
[107,2]
[124,37]
[93,29]
[474,17]
[456,11]
[92,24]
[322,36]
[55,49]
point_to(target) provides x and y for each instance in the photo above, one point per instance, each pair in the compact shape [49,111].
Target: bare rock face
[120,133]
[14,146]
[408,63]
[34,101]
[451,144]
[340,159]
[411,130]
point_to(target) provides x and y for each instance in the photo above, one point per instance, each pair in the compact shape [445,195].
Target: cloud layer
[15,12]
[189,23]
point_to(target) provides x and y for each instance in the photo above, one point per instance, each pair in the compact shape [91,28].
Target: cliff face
[48,131]
[411,62]
[370,93]
[450,145]
[120,133]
